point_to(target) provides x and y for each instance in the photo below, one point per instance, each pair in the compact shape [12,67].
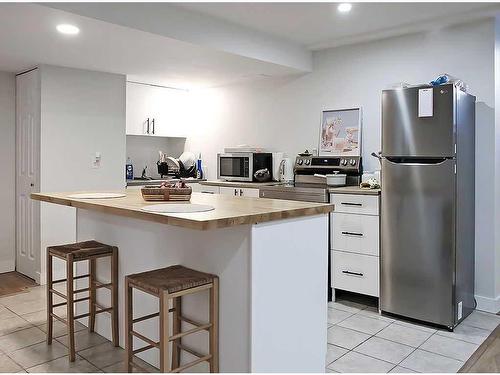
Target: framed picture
[340,132]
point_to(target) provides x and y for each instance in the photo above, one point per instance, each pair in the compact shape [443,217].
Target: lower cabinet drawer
[355,233]
[355,273]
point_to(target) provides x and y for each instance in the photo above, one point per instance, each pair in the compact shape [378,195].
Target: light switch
[96,160]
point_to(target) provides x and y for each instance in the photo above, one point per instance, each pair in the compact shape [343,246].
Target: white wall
[497,153]
[283,115]
[82,112]
[8,160]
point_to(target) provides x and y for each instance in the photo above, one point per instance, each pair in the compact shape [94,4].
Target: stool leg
[92,294]
[70,306]
[176,328]
[50,301]
[128,325]
[164,333]
[114,296]
[214,329]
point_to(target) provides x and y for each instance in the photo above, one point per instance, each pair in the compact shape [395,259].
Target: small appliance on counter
[282,168]
[242,166]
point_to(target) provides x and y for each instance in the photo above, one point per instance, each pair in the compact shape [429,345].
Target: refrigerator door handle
[353,273]
[416,161]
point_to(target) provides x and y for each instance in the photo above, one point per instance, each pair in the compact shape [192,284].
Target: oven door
[235,167]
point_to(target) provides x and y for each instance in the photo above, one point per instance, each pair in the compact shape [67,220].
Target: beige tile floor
[361,340]
[23,347]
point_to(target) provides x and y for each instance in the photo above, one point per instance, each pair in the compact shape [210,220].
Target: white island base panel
[273,278]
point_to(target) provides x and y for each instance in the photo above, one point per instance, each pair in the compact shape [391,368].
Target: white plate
[177,208]
[96,195]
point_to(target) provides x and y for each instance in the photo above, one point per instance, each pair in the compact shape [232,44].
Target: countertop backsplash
[143,150]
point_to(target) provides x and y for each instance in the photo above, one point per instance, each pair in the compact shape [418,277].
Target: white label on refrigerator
[459,312]
[425,103]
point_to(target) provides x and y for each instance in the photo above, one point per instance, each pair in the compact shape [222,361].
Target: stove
[309,187]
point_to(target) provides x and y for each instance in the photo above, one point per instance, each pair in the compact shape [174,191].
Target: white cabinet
[156,111]
[355,243]
[355,272]
[239,192]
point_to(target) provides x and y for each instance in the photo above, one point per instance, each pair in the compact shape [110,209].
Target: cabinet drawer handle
[352,234]
[353,273]
[208,192]
[351,204]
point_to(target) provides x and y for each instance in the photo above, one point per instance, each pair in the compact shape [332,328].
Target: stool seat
[81,250]
[171,279]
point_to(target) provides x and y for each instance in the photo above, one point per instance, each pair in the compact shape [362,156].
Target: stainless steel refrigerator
[427,204]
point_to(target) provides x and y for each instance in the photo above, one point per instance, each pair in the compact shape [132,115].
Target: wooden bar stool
[71,253]
[172,283]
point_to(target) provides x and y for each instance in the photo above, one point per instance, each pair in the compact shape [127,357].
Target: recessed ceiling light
[68,29]
[344,7]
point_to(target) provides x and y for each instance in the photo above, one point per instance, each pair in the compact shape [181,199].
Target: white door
[28,174]
[170,112]
[139,109]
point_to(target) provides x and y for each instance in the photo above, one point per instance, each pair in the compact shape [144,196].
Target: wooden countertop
[240,184]
[229,211]
[353,190]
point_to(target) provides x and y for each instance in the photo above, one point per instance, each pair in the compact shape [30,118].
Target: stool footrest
[191,364]
[145,339]
[192,322]
[76,291]
[143,349]
[99,285]
[190,351]
[145,317]
[58,318]
[58,293]
[190,331]
[74,278]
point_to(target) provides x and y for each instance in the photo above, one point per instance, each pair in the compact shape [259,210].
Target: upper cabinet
[156,111]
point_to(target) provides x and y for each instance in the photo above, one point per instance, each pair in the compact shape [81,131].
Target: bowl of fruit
[167,191]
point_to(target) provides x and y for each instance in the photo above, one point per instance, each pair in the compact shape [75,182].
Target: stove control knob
[343,162]
[352,162]
[300,161]
[308,162]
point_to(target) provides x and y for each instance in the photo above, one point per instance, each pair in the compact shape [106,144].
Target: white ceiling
[204,44]
[319,25]
[28,37]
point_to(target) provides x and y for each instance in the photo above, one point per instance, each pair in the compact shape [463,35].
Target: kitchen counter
[229,211]
[159,181]
[266,253]
[240,184]
[353,190]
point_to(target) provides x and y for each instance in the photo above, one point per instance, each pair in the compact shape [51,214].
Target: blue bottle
[199,170]
[129,170]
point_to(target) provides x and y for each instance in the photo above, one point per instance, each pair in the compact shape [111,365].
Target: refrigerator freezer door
[417,228]
[405,133]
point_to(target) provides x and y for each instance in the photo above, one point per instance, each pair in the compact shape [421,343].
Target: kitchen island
[271,257]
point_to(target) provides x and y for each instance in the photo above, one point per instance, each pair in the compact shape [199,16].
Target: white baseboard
[7,266]
[491,305]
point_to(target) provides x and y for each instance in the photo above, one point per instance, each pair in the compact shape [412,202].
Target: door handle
[235,192]
[352,234]
[153,124]
[241,192]
[147,122]
[351,204]
[353,273]
[32,184]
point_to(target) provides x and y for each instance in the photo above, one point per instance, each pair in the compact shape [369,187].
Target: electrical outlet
[96,160]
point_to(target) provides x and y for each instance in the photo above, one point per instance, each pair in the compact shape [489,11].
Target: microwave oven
[241,166]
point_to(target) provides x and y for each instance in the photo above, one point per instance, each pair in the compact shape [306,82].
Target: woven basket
[159,194]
